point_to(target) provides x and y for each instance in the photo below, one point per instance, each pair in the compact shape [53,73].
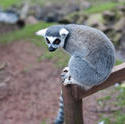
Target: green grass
[118,62]
[118,116]
[59,58]
[100,8]
[105,98]
[7,3]
[106,120]
[44,122]
[28,32]
[121,97]
[43,2]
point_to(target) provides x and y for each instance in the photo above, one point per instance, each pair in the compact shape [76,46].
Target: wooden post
[72,107]
[73,95]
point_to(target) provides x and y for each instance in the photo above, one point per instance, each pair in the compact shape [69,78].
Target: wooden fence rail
[73,95]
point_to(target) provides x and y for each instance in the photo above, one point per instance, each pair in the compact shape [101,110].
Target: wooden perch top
[117,75]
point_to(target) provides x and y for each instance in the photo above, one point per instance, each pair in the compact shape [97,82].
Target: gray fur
[92,55]
[54,31]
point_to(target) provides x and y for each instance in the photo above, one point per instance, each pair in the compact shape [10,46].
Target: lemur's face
[55,36]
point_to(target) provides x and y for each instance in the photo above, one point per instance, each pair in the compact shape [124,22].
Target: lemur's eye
[57,41]
[47,40]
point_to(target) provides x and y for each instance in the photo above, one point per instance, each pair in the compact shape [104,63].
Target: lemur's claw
[66,78]
[64,72]
[67,81]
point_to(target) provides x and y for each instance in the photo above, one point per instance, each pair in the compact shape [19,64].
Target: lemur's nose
[51,49]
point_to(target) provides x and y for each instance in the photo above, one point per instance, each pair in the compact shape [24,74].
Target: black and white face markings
[55,36]
[53,42]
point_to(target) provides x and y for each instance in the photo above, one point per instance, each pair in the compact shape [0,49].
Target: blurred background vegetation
[28,16]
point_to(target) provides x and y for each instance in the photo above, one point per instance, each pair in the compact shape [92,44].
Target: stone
[70,18]
[52,17]
[31,20]
[121,8]
[120,25]
[109,16]
[122,41]
[108,29]
[64,21]
[84,4]
[94,20]
[117,38]
[82,18]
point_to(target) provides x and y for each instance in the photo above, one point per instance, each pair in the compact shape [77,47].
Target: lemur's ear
[41,32]
[63,32]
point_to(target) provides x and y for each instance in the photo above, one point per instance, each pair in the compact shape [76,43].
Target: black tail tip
[58,122]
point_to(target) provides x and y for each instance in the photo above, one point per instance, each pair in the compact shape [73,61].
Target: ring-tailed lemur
[92,55]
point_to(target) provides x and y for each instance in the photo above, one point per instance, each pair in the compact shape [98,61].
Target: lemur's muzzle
[51,49]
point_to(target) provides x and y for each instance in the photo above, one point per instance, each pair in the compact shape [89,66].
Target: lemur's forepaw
[64,73]
[67,81]
[66,78]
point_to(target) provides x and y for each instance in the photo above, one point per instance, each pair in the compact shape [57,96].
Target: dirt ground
[32,88]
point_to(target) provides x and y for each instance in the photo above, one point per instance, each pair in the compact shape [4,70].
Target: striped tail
[60,116]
